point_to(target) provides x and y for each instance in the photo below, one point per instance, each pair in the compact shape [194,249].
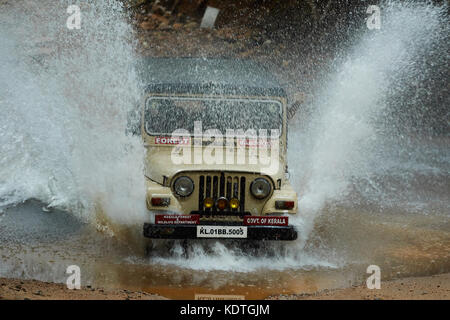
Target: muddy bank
[16,289]
[435,287]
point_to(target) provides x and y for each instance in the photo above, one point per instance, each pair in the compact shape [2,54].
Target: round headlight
[183,186]
[260,188]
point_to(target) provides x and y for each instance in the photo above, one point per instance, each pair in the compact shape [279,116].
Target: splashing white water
[65,95]
[344,143]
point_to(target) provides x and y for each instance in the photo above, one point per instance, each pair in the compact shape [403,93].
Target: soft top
[208,75]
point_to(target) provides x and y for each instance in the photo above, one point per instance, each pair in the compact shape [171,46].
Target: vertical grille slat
[235,191]
[215,187]
[215,194]
[242,197]
[201,190]
[208,190]
[229,180]
[222,184]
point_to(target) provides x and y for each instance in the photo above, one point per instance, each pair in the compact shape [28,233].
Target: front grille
[221,185]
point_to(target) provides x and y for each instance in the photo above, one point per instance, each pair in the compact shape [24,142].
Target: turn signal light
[234,203]
[160,202]
[284,205]
[208,203]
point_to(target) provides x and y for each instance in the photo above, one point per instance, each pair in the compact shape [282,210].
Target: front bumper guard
[189,231]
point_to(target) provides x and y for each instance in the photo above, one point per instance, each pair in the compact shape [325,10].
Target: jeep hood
[159,164]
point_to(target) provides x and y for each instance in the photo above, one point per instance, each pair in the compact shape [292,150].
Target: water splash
[353,141]
[65,96]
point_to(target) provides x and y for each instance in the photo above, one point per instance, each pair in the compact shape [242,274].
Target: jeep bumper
[191,231]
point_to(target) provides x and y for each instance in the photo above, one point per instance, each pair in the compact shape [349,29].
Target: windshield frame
[202,97]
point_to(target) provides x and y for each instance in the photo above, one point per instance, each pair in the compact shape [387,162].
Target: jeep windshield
[164,115]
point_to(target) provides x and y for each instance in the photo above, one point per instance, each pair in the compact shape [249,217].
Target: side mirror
[299,98]
[292,110]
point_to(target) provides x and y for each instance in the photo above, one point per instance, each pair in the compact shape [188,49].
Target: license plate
[221,232]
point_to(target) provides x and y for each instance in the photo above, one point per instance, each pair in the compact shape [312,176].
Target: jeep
[204,173]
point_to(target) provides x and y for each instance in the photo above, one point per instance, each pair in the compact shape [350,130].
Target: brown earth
[436,287]
[16,289]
